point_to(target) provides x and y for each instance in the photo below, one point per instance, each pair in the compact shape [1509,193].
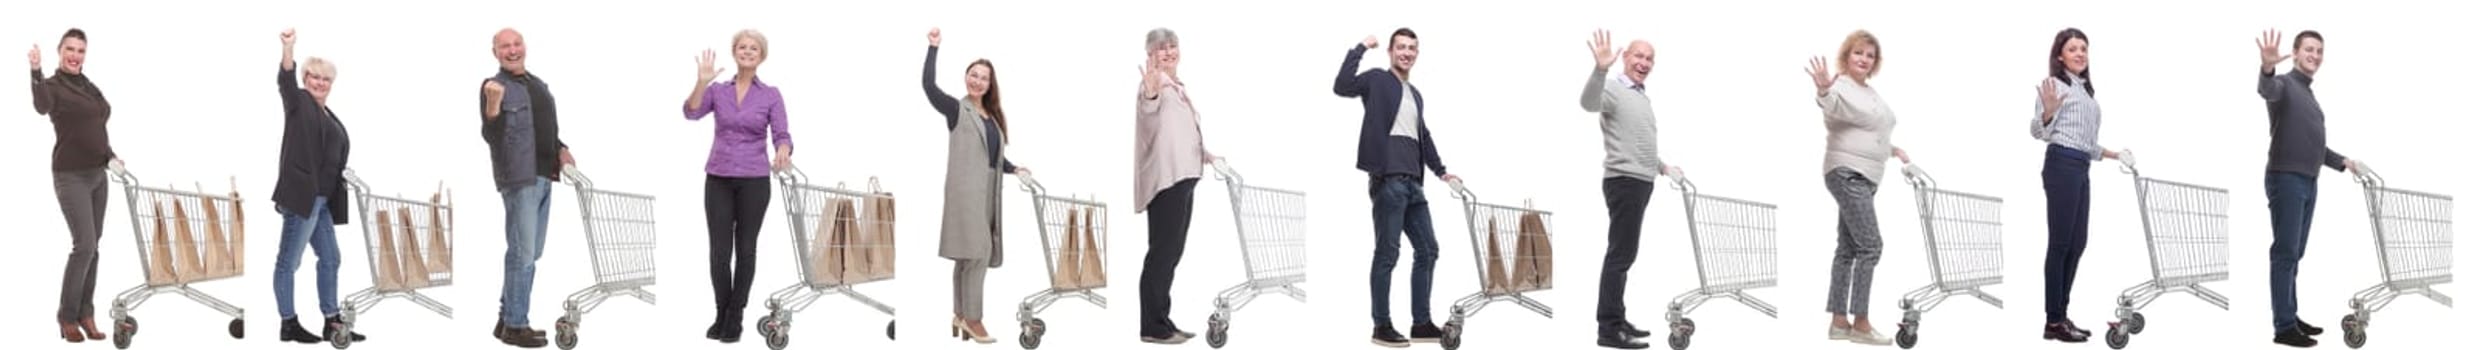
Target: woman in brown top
[80,150]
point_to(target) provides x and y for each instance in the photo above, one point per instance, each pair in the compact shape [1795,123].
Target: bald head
[1638,59]
[509,48]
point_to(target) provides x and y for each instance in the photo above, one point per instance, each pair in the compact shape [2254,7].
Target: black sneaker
[1426,333]
[294,333]
[2310,329]
[1627,329]
[332,321]
[2295,337]
[1386,336]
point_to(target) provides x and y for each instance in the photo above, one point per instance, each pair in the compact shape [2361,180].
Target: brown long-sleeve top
[79,114]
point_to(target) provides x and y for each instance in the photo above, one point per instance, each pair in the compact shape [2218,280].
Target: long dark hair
[989,99]
[2056,62]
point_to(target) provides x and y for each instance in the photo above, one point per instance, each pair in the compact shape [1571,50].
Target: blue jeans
[2066,178]
[529,211]
[316,230]
[2292,197]
[1400,209]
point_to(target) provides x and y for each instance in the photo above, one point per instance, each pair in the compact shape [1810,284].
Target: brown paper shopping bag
[1070,263]
[442,249]
[855,247]
[1536,231]
[159,268]
[1096,274]
[416,270]
[240,242]
[1497,281]
[185,246]
[218,254]
[881,229]
[834,234]
[390,274]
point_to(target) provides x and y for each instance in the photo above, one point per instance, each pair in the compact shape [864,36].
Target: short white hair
[1159,37]
[320,67]
[751,34]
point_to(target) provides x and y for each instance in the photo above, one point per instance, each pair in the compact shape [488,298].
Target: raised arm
[1596,91]
[492,93]
[946,104]
[42,96]
[2267,83]
[2044,110]
[698,106]
[286,84]
[1148,95]
[2270,86]
[1348,82]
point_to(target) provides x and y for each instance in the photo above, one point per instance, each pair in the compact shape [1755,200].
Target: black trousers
[735,212]
[2066,178]
[1166,222]
[1627,198]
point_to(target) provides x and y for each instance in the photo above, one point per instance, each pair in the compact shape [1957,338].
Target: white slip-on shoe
[1837,333]
[1868,338]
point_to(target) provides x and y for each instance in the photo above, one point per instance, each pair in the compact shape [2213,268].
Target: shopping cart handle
[1031,185]
[2366,175]
[1918,177]
[1461,192]
[791,175]
[574,176]
[2125,162]
[1222,169]
[121,173]
[1682,184]
[355,180]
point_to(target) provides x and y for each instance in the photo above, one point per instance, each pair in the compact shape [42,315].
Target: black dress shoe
[2308,328]
[2063,332]
[1626,329]
[2296,337]
[294,333]
[1621,341]
[2069,324]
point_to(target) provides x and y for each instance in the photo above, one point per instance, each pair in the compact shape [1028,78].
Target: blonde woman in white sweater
[1859,136]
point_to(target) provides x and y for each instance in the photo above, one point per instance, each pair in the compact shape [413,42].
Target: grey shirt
[2296,125]
[1627,131]
[2076,123]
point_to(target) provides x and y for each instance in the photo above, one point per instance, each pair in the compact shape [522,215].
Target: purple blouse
[741,129]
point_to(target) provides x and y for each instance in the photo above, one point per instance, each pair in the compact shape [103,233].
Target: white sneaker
[1868,338]
[1837,333]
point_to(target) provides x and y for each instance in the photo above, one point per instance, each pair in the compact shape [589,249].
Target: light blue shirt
[2077,120]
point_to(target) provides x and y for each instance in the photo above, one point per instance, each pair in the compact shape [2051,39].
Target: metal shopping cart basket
[408,242]
[1076,259]
[1511,249]
[819,214]
[2413,240]
[1734,252]
[1273,243]
[171,274]
[1966,249]
[619,231]
[2186,226]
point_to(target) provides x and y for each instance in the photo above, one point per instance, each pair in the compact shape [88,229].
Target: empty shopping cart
[1966,249]
[1503,236]
[817,213]
[619,232]
[1273,243]
[1058,223]
[168,275]
[404,228]
[1734,252]
[2413,246]
[2186,227]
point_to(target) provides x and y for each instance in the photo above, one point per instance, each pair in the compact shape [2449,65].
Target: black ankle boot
[293,333]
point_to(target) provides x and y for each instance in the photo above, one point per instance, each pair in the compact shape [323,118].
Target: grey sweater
[2296,125]
[1626,127]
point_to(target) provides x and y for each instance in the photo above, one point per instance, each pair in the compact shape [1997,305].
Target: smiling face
[977,80]
[1406,51]
[318,82]
[509,48]
[1861,62]
[73,55]
[2308,54]
[748,52]
[2077,56]
[1639,60]
[1167,57]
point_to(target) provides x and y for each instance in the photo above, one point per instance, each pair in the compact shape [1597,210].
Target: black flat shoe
[2308,328]
[1628,329]
[2063,332]
[2295,337]
[292,332]
[1620,341]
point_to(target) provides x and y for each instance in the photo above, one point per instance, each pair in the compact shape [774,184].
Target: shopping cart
[428,226]
[1486,222]
[619,231]
[1966,249]
[2413,240]
[810,206]
[1734,252]
[147,204]
[2186,226]
[1058,223]
[1273,242]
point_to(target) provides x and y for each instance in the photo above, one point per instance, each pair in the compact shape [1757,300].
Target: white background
[190,84]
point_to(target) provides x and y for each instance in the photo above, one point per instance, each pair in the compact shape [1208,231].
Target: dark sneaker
[332,321]
[1426,333]
[2310,329]
[2295,337]
[1627,329]
[1386,336]
[518,337]
[294,333]
[1613,340]
[2062,332]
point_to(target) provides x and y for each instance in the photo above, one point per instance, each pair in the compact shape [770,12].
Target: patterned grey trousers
[1860,245]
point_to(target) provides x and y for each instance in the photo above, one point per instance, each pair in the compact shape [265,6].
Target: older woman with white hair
[309,190]
[747,115]
[1170,157]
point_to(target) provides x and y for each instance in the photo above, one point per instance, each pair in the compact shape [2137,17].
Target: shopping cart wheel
[890,330]
[566,333]
[1453,337]
[1031,336]
[2353,331]
[1217,331]
[121,331]
[235,328]
[1677,341]
[2118,336]
[771,327]
[1684,325]
[2134,325]
[341,335]
[1907,336]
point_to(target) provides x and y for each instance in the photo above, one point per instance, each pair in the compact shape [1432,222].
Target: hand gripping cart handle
[1272,226]
[197,231]
[2413,240]
[1965,244]
[619,235]
[1734,250]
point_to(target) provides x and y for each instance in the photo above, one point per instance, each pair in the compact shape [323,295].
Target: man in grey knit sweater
[2297,148]
[1633,165]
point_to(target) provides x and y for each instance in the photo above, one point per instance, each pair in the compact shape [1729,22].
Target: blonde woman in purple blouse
[748,115]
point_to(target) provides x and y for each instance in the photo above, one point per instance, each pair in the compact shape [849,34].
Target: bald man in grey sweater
[1633,164]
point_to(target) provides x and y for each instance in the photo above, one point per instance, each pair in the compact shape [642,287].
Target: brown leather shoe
[92,332]
[519,337]
[69,331]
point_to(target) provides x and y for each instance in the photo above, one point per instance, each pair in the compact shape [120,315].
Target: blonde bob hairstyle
[319,66]
[1851,44]
[752,35]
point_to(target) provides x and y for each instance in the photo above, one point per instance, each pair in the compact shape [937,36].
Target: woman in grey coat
[975,161]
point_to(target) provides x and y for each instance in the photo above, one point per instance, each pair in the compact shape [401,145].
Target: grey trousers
[1859,246]
[83,200]
[969,278]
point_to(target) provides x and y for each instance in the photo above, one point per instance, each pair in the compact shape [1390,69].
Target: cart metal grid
[1053,212]
[146,204]
[419,214]
[2413,240]
[1273,243]
[619,232]
[808,203]
[1735,251]
[1483,218]
[2186,229]
[1966,249]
